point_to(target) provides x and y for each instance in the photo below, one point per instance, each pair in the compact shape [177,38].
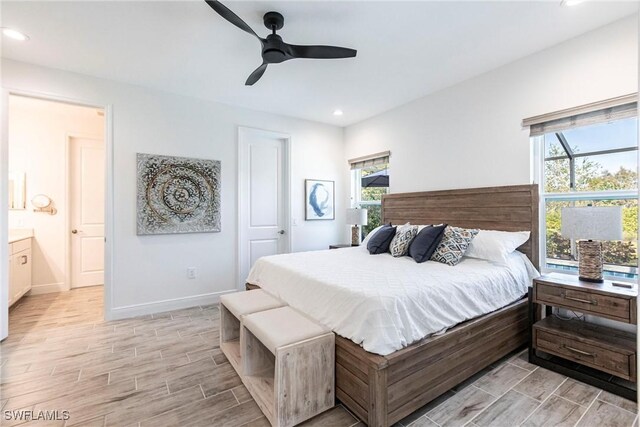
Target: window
[369,182]
[591,165]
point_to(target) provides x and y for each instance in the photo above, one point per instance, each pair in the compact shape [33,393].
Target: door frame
[245,132]
[67,183]
[4,215]
[4,195]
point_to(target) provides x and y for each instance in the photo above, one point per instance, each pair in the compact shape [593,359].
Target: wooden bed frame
[382,390]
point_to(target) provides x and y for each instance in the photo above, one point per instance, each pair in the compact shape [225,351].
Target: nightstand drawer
[604,359]
[612,307]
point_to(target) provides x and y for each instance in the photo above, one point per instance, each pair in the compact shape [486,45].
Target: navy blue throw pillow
[426,242]
[379,242]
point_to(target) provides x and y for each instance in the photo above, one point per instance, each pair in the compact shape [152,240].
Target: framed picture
[319,200]
[177,195]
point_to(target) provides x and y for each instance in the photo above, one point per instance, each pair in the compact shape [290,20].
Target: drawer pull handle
[23,259]
[586,301]
[584,353]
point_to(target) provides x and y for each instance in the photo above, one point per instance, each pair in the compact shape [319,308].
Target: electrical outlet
[192,273]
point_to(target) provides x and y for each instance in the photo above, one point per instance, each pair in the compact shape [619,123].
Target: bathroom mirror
[17,191]
[41,201]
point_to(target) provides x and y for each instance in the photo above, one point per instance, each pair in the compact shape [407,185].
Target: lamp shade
[356,216]
[592,223]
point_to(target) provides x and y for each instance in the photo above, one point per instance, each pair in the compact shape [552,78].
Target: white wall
[470,135]
[149,273]
[38,132]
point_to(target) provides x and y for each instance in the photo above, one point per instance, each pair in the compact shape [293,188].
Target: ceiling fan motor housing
[273,20]
[274,50]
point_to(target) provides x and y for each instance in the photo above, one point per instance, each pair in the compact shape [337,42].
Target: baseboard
[134,310]
[48,288]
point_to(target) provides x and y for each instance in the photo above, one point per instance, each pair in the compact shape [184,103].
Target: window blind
[371,160]
[598,112]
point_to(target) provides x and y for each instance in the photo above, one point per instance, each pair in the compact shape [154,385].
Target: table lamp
[356,217]
[589,226]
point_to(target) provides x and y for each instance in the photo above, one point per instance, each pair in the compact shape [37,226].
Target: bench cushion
[282,326]
[241,303]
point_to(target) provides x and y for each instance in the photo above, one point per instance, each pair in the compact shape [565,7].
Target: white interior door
[87,183]
[263,197]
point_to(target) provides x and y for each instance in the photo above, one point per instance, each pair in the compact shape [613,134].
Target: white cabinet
[19,269]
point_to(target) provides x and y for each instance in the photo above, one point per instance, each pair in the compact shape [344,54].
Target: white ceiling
[405,49]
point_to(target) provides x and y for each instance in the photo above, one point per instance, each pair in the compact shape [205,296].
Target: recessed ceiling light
[571,2]
[15,34]
[337,112]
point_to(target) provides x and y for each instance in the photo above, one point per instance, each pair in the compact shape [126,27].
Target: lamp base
[590,261]
[355,235]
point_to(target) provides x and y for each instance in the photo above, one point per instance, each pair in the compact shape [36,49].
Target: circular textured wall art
[178,195]
[179,192]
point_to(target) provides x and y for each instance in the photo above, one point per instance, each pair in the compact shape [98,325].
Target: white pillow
[495,245]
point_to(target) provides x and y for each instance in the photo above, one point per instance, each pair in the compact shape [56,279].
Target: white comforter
[386,303]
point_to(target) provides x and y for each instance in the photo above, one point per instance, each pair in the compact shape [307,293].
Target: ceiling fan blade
[255,76]
[321,52]
[227,14]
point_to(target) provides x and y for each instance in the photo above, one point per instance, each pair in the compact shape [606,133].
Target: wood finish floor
[167,370]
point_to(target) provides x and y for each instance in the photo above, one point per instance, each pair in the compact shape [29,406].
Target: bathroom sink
[16,234]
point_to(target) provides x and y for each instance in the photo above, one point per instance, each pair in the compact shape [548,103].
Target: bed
[384,303]
[389,315]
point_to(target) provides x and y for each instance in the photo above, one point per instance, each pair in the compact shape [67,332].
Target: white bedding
[386,303]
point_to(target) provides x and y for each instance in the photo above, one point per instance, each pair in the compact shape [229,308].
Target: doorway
[263,197]
[57,158]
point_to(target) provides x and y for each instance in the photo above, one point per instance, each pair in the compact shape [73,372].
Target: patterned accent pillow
[454,244]
[402,240]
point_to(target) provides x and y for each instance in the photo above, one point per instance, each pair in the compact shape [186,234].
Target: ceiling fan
[274,50]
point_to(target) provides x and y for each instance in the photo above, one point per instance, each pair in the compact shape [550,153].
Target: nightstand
[341,245]
[592,353]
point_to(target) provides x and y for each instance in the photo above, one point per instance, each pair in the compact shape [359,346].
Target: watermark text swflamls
[30,415]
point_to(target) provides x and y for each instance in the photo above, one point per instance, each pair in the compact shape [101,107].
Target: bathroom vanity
[19,264]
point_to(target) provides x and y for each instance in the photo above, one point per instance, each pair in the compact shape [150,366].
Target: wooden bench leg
[229,325]
[305,381]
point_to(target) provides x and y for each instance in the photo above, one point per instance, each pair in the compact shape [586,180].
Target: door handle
[74,231]
[582,352]
[584,301]
[281,232]
[23,260]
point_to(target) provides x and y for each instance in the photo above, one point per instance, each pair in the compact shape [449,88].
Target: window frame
[537,172]
[356,190]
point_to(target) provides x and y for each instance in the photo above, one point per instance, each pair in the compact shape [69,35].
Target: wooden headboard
[509,208]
